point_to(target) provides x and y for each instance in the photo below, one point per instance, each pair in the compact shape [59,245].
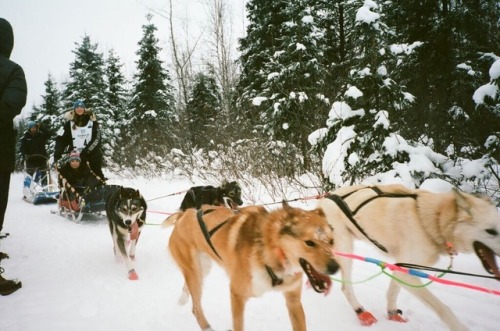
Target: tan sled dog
[412,226]
[259,250]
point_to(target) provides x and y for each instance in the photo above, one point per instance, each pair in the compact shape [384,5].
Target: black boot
[8,286]
[3,256]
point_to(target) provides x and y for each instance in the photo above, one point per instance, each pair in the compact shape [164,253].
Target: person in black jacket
[13,93]
[34,152]
[81,131]
[76,177]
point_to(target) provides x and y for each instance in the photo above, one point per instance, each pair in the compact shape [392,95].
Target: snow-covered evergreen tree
[203,106]
[284,71]
[360,139]
[487,100]
[86,76]
[118,99]
[447,69]
[152,117]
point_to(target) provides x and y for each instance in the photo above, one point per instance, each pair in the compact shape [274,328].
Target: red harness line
[159,212]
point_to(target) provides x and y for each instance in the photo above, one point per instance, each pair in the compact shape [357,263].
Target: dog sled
[38,186]
[85,203]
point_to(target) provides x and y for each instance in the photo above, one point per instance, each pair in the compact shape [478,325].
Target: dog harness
[339,200]
[208,235]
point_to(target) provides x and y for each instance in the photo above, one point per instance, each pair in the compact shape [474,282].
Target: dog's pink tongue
[134,231]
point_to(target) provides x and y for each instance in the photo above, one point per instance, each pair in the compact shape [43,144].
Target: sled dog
[412,226]
[126,212]
[228,194]
[259,250]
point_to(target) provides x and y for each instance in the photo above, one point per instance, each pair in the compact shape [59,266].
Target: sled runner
[38,186]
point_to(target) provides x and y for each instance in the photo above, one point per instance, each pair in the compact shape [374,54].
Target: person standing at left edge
[13,93]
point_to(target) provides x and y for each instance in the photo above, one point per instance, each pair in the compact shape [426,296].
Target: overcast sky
[46,31]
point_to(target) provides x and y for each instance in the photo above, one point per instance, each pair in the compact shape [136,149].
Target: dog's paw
[366,318]
[396,316]
[132,275]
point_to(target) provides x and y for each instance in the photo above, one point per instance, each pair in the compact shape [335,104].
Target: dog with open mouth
[260,251]
[126,212]
[413,227]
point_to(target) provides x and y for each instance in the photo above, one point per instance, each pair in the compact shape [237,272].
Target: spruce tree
[487,100]
[86,76]
[204,104]
[284,71]
[447,69]
[117,98]
[362,121]
[152,115]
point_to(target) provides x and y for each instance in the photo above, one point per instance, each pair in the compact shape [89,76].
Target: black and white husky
[126,211]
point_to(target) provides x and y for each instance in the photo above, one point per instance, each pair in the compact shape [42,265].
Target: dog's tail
[172,219]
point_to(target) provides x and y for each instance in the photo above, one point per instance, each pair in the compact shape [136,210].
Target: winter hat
[31,124]
[74,155]
[78,103]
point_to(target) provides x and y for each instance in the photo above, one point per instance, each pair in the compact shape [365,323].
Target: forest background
[318,93]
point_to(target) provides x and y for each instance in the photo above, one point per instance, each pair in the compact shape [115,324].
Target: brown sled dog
[259,250]
[412,226]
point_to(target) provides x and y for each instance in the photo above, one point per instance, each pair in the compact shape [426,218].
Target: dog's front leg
[344,243]
[295,310]
[238,303]
[122,249]
[133,245]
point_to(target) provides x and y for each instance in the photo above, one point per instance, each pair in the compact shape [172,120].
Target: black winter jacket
[33,144]
[79,178]
[64,140]
[13,93]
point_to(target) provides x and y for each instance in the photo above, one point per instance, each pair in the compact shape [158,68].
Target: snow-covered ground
[71,281]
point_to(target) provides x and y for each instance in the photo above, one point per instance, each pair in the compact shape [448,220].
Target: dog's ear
[462,202]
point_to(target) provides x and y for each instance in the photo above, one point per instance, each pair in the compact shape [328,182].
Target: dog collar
[451,252]
[450,249]
[282,259]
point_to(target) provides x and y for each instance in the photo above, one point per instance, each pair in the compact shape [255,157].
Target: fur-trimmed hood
[70,115]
